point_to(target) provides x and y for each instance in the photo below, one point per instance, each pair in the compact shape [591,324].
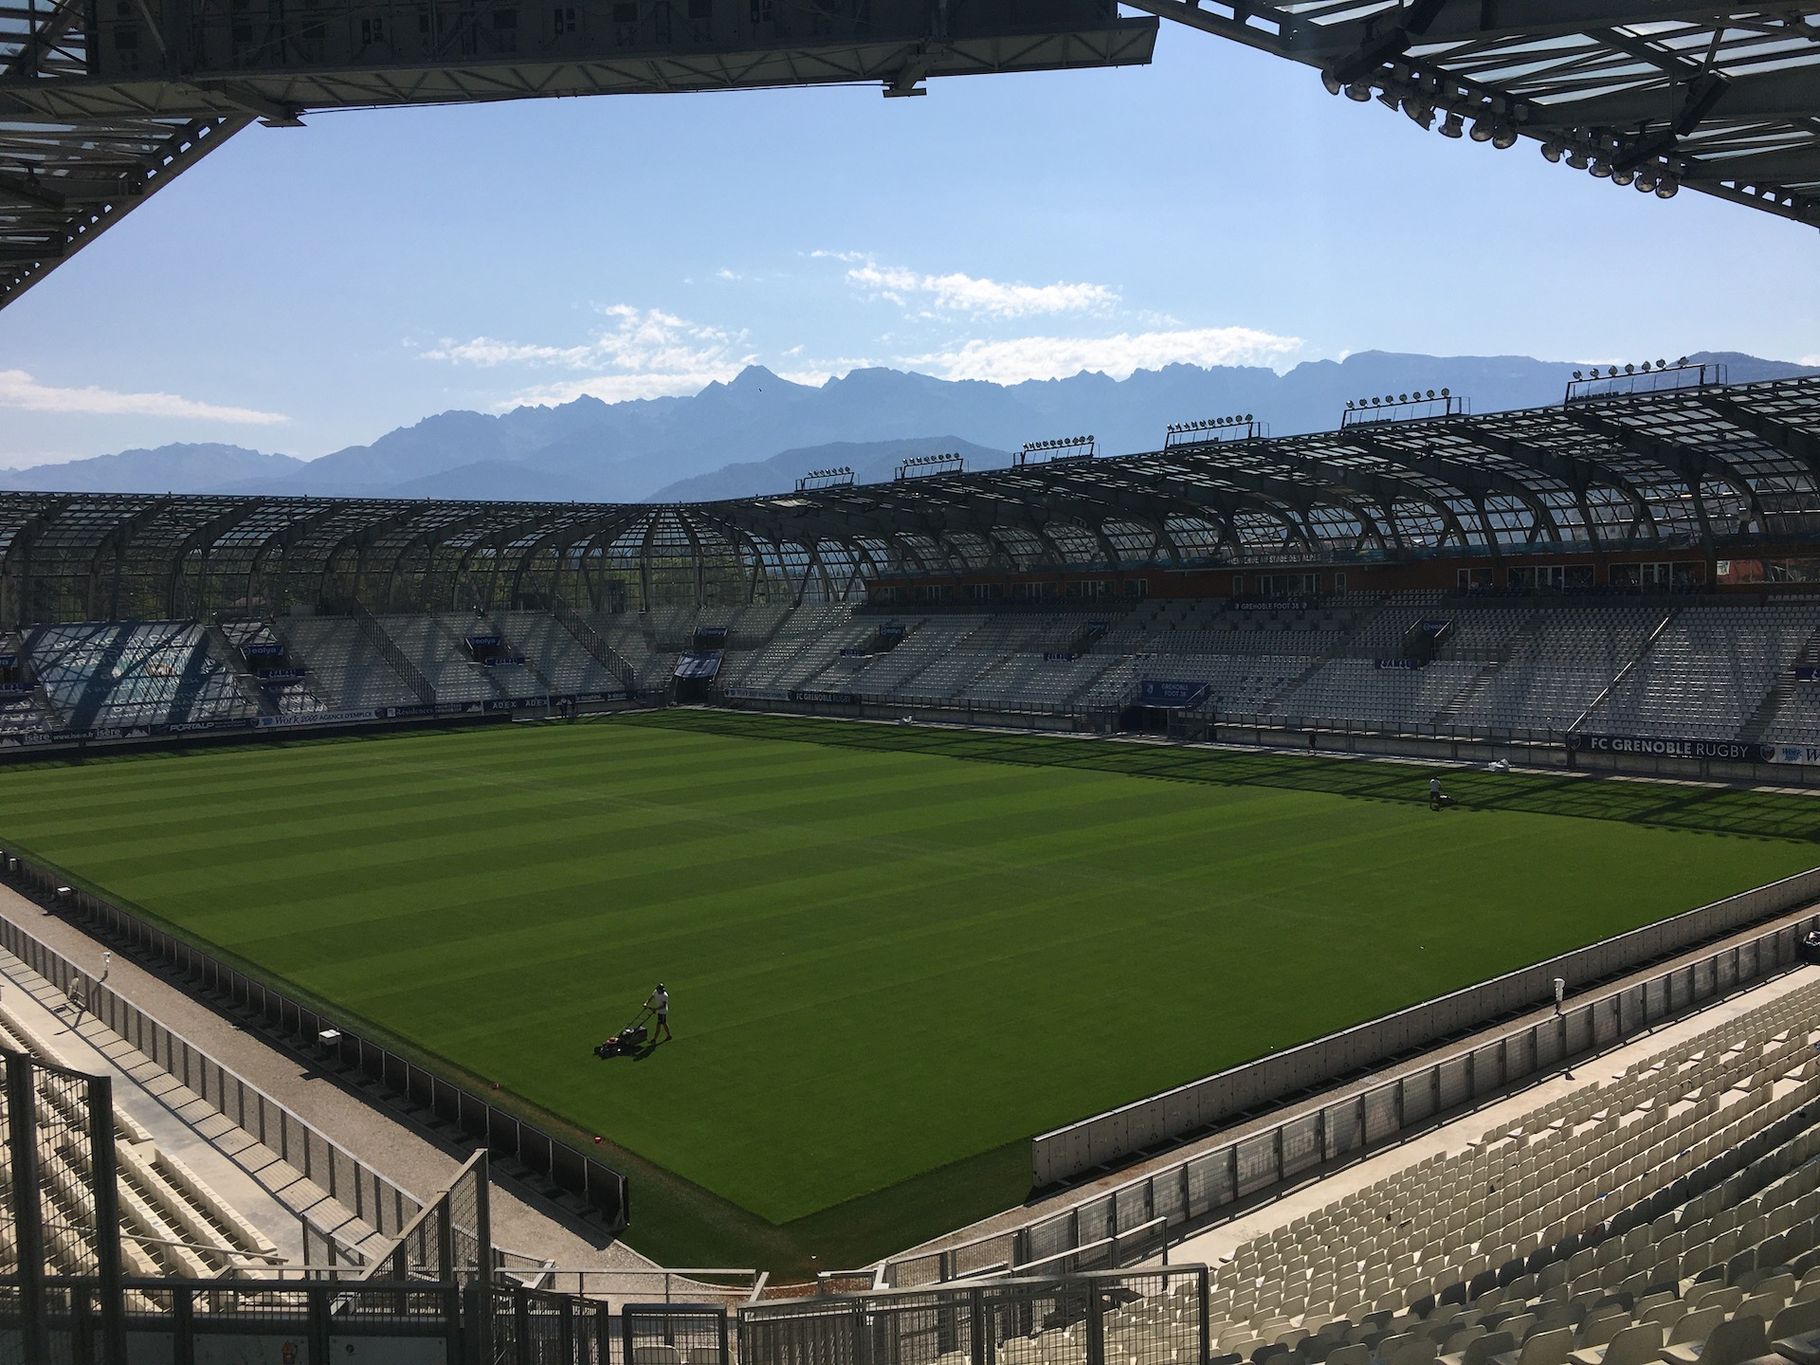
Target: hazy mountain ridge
[870,461]
[757,433]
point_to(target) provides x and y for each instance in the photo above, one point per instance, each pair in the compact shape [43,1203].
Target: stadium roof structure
[103,102]
[1659,94]
[1699,467]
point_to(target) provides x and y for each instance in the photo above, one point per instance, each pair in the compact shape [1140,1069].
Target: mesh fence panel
[66,1173]
[1130,1318]
[674,1333]
[12,1342]
[9,1233]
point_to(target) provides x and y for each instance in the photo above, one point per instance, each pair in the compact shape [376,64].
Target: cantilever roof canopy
[1683,466]
[103,103]
[1656,93]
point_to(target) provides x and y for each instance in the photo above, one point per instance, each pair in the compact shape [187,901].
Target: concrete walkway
[1218,1244]
[84,1046]
[1089,1188]
[414,1159]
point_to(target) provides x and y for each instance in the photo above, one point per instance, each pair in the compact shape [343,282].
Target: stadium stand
[346,669]
[1534,667]
[554,655]
[1667,1217]
[102,675]
[172,1223]
[434,647]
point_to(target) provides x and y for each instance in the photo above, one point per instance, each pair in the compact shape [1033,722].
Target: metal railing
[356,1187]
[1212,1185]
[596,644]
[1148,1317]
[410,1084]
[401,664]
[1093,1142]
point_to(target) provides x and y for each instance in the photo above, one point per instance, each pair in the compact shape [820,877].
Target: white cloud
[1811,361]
[969,295]
[1017,359]
[19,390]
[642,353]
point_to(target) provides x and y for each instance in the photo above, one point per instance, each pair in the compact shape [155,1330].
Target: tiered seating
[1680,1202]
[809,641]
[171,1222]
[1793,707]
[555,654]
[289,696]
[436,650]
[1358,692]
[929,663]
[1708,671]
[20,712]
[1557,667]
[100,675]
[347,670]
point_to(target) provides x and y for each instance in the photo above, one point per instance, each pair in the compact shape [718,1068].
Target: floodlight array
[836,477]
[923,466]
[1421,94]
[1398,407]
[1062,448]
[1239,426]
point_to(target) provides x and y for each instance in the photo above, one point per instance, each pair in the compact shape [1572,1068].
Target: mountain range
[758,433]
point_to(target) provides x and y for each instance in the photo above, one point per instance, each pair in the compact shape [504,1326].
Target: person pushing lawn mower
[1437,799]
[633,1036]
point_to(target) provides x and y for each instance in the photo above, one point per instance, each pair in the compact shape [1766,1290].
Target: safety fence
[1148,1317]
[450,1238]
[372,1200]
[1090,1143]
[1203,1188]
[326,1040]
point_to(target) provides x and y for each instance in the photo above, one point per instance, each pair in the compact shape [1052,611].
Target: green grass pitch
[895,953]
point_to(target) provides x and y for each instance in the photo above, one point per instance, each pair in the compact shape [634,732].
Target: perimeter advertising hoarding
[1731,750]
[1164,695]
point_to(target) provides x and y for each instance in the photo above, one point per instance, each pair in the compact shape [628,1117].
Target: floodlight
[1402,398]
[1331,81]
[1668,188]
[1374,402]
[1623,177]
[1630,369]
[1431,393]
[1576,374]
[1452,126]
[1358,91]
[1578,159]
[1646,183]
[1600,170]
[1250,418]
[1504,137]
[1611,372]
[1444,393]
[1349,405]
[1661,364]
[1554,151]
[1682,361]
[1481,130]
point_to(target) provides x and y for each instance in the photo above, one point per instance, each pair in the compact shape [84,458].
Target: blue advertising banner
[1171,696]
[1400,663]
[270,649]
[483,642]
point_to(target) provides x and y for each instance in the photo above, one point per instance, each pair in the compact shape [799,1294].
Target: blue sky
[305,289]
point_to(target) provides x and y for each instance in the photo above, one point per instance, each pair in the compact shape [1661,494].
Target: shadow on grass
[1735,812]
